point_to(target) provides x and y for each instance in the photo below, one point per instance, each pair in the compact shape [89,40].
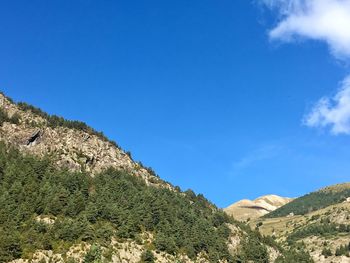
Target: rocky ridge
[73,149]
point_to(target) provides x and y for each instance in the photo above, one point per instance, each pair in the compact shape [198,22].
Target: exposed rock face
[244,209]
[74,149]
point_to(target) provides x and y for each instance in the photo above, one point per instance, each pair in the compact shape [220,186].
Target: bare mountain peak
[244,209]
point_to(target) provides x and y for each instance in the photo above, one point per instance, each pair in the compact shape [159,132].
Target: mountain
[68,194]
[318,221]
[247,209]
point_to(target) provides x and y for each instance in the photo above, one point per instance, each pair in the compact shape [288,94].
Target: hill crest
[72,144]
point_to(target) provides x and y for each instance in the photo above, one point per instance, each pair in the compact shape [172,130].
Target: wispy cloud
[327,21]
[259,154]
[332,112]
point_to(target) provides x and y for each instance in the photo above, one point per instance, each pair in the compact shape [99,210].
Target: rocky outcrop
[34,138]
[70,148]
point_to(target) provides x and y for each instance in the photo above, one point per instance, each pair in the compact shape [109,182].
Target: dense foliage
[112,204]
[293,256]
[147,257]
[325,229]
[326,252]
[311,202]
[94,255]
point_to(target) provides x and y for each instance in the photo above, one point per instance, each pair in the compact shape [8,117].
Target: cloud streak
[259,154]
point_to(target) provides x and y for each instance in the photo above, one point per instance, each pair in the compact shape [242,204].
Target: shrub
[326,252]
[147,257]
[93,255]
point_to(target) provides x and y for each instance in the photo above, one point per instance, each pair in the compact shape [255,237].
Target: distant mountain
[318,221]
[247,209]
[68,194]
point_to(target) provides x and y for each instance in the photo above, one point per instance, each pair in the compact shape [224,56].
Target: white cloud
[324,20]
[332,112]
[327,21]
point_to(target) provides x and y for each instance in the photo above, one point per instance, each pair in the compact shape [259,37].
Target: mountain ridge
[73,145]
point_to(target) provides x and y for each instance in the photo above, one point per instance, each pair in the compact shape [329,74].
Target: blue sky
[202,91]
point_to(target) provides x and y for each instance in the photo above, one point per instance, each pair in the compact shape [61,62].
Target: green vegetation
[311,202]
[5,118]
[324,229]
[343,250]
[112,204]
[296,252]
[293,256]
[326,252]
[147,257]
[94,255]
[254,251]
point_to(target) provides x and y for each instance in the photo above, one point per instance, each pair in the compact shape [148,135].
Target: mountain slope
[314,201]
[112,204]
[71,144]
[247,209]
[67,194]
[324,231]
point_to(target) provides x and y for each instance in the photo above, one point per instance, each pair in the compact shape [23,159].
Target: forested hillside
[94,209]
[67,194]
[313,201]
[112,204]
[318,221]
